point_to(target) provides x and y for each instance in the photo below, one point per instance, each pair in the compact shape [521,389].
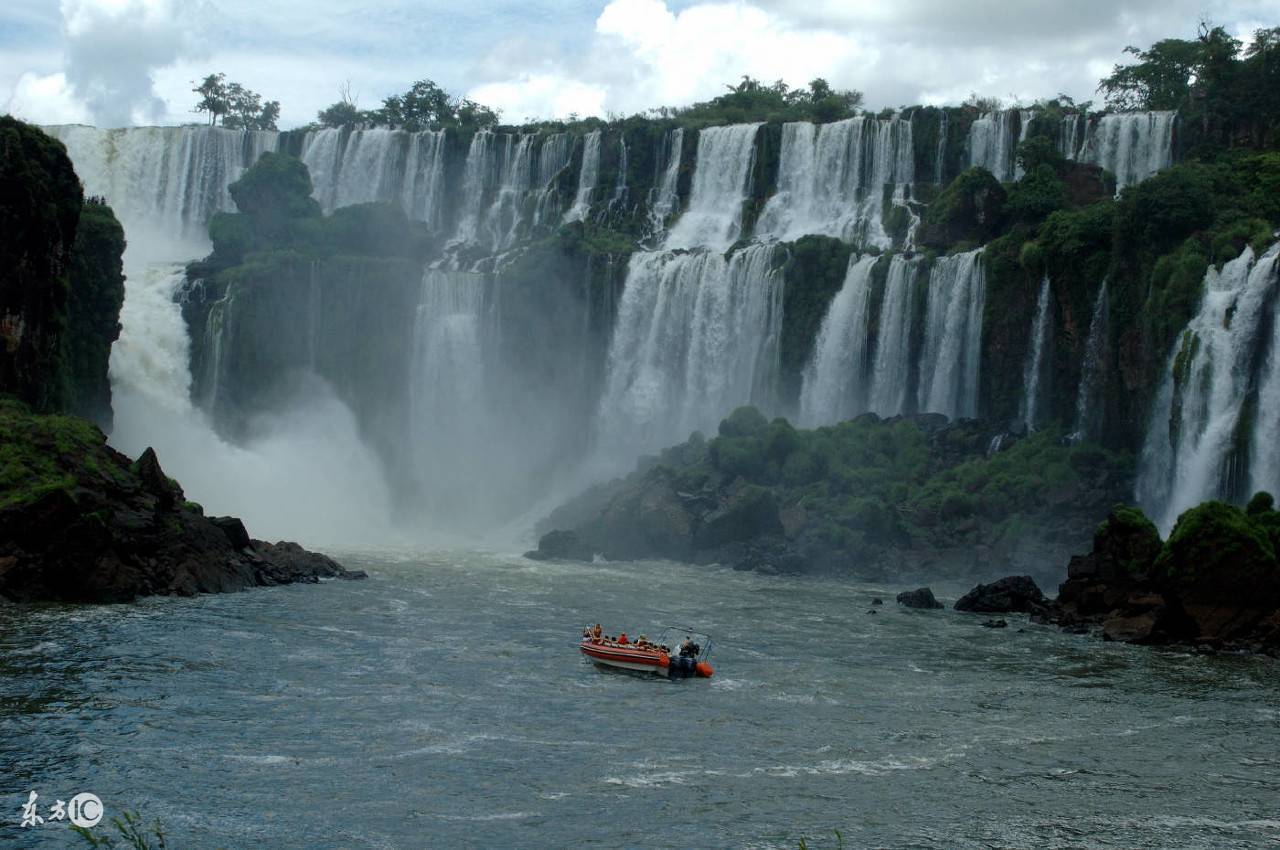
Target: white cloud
[537,96]
[47,99]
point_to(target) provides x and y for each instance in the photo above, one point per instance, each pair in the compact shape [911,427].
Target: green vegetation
[41,454]
[425,106]
[752,100]
[869,484]
[237,107]
[1214,536]
[969,210]
[133,834]
[278,214]
[93,310]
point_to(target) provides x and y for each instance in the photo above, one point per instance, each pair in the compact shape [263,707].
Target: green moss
[1214,537]
[39,454]
[970,209]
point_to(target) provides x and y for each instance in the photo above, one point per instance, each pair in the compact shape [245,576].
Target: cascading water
[696,335]
[832,179]
[663,196]
[940,154]
[1092,373]
[587,177]
[164,183]
[949,364]
[1033,370]
[618,200]
[991,143]
[713,218]
[1131,145]
[891,372]
[1025,118]
[835,381]
[1200,445]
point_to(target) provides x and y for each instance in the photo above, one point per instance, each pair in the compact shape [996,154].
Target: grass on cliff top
[39,454]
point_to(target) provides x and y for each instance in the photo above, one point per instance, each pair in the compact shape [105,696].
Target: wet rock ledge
[81,522]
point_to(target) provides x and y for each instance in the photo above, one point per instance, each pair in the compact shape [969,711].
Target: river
[442,703]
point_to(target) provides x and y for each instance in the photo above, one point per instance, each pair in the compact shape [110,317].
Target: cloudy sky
[119,62]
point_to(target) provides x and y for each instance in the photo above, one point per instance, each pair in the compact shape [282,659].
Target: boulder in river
[921,597]
[1008,595]
[561,546]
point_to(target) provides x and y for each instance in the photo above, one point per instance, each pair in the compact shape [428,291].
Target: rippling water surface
[443,703]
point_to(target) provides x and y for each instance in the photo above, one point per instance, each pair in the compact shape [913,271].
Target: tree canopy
[235,106]
[425,106]
[752,100]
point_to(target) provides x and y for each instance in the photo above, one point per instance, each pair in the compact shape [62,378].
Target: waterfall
[1265,451]
[447,404]
[663,196]
[1088,403]
[1069,139]
[713,218]
[949,364]
[619,198]
[891,372]
[553,159]
[1033,370]
[1197,439]
[991,143]
[832,179]
[1131,145]
[164,183]
[1025,117]
[940,166]
[696,335]
[587,177]
[835,381]
[378,165]
[422,190]
[476,180]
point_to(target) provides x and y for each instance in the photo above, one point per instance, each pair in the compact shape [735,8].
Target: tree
[238,107]
[345,113]
[426,105]
[213,97]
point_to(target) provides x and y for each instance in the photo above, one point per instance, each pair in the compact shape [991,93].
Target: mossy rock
[971,209]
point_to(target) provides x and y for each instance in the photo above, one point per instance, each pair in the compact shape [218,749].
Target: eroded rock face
[920,598]
[89,525]
[561,546]
[1009,594]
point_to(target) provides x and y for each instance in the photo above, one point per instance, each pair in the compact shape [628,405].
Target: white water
[695,337]
[587,177]
[835,380]
[164,183]
[940,155]
[389,166]
[1033,369]
[713,218]
[1088,403]
[1189,455]
[304,473]
[1025,117]
[1131,145]
[663,196]
[949,365]
[832,179]
[991,143]
[891,373]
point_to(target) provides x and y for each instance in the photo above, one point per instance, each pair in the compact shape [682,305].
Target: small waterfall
[553,158]
[422,194]
[832,179]
[165,182]
[1131,145]
[618,200]
[476,180]
[1265,451]
[1196,441]
[713,218]
[1033,370]
[447,405]
[835,381]
[948,378]
[663,196]
[940,166]
[696,335]
[1088,401]
[891,372]
[377,165]
[499,227]
[587,177]
[991,144]
[1070,137]
[1025,117]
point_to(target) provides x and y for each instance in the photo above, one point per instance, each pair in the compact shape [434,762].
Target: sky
[124,62]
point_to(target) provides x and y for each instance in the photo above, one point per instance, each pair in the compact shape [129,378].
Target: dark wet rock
[1007,595]
[872,611]
[89,525]
[877,601]
[919,598]
[561,546]
[995,624]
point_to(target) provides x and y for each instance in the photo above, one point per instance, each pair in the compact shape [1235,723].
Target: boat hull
[622,658]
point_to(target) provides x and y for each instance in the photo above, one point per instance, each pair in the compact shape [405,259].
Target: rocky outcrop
[93,312]
[80,522]
[561,546]
[919,598]
[1214,583]
[1010,594]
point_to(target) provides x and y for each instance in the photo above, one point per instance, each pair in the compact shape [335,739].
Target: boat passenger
[622,638]
[596,633]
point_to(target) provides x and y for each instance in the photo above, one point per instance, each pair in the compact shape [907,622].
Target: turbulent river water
[442,703]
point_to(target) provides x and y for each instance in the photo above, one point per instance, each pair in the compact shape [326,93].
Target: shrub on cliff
[1214,538]
[971,209]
